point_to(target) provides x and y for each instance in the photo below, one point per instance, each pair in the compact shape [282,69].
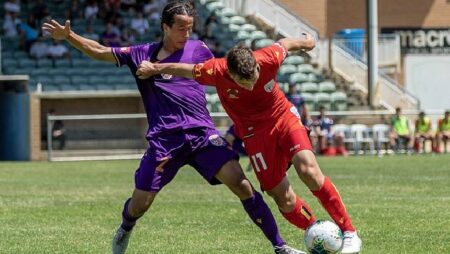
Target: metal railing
[348,62]
[389,50]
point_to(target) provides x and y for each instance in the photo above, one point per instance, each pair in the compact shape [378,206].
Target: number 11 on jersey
[258,158]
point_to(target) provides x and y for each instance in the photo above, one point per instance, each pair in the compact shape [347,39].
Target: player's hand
[57,31]
[145,70]
[309,41]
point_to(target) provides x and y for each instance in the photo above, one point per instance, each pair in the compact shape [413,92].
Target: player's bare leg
[321,186]
[133,209]
[233,177]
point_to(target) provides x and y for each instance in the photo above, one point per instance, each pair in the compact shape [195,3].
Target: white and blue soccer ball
[323,237]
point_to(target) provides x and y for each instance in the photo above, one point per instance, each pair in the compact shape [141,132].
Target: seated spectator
[110,38]
[127,38]
[74,12]
[12,6]
[10,25]
[91,10]
[58,50]
[90,34]
[39,49]
[28,32]
[329,143]
[211,24]
[423,132]
[236,143]
[58,131]
[150,7]
[443,132]
[139,24]
[126,5]
[297,100]
[218,51]
[400,131]
[40,10]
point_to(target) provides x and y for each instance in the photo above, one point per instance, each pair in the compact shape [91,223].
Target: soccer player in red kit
[270,127]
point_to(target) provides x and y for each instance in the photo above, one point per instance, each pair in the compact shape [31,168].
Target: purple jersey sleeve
[202,53]
[122,55]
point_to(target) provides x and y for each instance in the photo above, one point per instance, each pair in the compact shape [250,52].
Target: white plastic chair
[345,130]
[360,132]
[380,135]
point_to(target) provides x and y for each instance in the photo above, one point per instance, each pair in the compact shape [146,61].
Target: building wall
[329,16]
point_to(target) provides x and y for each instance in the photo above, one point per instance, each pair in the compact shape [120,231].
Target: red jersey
[249,109]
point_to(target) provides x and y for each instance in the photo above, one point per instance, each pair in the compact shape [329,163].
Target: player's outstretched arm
[89,47]
[147,69]
[306,43]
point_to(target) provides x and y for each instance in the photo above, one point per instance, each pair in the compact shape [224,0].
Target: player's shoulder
[196,43]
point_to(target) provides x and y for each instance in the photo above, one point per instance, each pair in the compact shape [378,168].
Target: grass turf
[400,204]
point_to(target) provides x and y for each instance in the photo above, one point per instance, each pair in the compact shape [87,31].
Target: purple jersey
[171,103]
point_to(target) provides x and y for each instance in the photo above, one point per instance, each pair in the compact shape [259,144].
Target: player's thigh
[266,157]
[211,159]
[283,194]
[152,174]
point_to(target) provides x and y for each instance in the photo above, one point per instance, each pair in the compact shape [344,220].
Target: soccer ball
[323,237]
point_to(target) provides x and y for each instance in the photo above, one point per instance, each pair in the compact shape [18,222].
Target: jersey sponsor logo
[198,70]
[233,93]
[269,86]
[295,112]
[216,140]
[125,49]
[297,146]
[282,49]
[166,76]
[210,72]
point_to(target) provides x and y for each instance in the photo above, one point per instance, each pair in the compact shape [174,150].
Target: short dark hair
[179,7]
[240,61]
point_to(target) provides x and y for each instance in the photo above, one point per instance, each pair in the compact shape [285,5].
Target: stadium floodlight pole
[372,45]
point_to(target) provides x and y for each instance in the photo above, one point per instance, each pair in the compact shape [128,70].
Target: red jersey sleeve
[205,73]
[272,55]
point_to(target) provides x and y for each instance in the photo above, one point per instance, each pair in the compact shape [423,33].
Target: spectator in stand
[58,131]
[423,132]
[218,51]
[443,132]
[150,8]
[139,24]
[58,50]
[10,25]
[40,10]
[109,38]
[91,10]
[39,49]
[297,100]
[12,6]
[90,34]
[329,143]
[211,24]
[127,38]
[118,25]
[28,32]
[74,12]
[126,5]
[400,131]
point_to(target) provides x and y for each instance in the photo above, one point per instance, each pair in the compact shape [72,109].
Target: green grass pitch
[400,204]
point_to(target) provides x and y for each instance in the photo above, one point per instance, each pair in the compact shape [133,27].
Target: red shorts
[270,149]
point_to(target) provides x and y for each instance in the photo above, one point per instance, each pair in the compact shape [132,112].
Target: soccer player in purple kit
[180,129]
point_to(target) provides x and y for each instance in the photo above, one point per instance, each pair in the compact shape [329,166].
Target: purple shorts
[202,148]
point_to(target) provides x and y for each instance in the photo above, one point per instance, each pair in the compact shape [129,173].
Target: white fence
[349,117]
